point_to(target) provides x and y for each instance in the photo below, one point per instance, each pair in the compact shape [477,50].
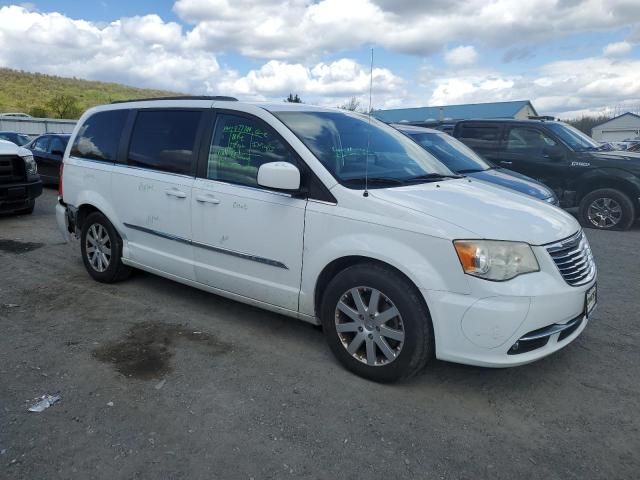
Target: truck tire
[607,209]
[376,323]
[101,248]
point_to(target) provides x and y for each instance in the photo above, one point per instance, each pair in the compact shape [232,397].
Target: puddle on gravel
[15,246]
[146,350]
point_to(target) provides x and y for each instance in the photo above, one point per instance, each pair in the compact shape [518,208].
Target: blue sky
[568,56]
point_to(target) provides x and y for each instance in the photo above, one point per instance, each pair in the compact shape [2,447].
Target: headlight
[32,167]
[495,260]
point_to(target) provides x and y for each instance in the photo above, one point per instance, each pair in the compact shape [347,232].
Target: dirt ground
[159,380]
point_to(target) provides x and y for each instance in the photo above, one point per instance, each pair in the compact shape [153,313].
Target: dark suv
[605,185]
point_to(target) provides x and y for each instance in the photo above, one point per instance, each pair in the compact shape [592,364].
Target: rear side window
[483,134]
[238,148]
[99,136]
[165,140]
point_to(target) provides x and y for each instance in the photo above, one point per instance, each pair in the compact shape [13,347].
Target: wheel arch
[617,180]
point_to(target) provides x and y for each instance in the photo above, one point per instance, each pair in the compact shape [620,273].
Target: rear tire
[366,335]
[102,250]
[607,209]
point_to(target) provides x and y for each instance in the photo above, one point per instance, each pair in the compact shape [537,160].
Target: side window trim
[127,136]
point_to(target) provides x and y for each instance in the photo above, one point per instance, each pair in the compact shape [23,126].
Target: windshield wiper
[430,177]
[374,181]
[471,170]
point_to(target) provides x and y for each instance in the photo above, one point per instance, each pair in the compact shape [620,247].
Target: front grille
[11,169]
[574,259]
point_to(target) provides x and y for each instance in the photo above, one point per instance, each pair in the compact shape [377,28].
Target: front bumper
[503,324]
[18,196]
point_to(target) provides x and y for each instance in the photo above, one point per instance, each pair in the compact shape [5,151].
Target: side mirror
[279,176]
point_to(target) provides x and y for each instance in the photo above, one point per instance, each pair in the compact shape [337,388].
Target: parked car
[48,150]
[15,115]
[604,185]
[461,159]
[20,184]
[14,137]
[331,217]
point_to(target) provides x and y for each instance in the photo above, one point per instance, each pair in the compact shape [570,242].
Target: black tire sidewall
[111,273]
[417,348]
[628,209]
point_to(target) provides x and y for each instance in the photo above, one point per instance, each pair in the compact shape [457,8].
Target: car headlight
[30,163]
[495,260]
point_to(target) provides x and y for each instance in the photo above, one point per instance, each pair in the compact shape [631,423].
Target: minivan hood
[484,210]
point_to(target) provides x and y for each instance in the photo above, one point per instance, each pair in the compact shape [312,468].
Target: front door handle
[506,162]
[207,199]
[174,192]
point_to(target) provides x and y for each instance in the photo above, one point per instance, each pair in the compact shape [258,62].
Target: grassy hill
[40,95]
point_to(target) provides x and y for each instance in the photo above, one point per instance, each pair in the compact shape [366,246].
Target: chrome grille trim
[574,259]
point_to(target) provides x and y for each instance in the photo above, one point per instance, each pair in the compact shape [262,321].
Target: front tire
[376,323]
[102,250]
[607,209]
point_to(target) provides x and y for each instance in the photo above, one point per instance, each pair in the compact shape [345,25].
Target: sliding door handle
[174,192]
[506,162]
[207,199]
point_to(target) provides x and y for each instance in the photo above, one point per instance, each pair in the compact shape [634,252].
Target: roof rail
[182,97]
[541,117]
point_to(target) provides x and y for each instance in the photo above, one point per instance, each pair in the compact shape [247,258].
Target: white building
[617,129]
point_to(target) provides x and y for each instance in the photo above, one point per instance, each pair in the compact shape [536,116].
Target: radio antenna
[366,159]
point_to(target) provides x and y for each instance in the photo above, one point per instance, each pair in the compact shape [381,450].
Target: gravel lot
[159,380]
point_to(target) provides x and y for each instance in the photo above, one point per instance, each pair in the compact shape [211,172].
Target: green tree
[293,99]
[64,106]
[39,112]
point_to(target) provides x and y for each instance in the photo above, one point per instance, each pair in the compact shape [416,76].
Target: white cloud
[461,56]
[617,49]
[297,29]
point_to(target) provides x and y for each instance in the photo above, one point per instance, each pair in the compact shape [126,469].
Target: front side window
[99,136]
[239,146]
[453,153]
[529,139]
[358,150]
[165,140]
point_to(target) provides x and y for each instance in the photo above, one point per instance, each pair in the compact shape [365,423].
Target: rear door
[247,239]
[483,138]
[533,152]
[50,163]
[152,189]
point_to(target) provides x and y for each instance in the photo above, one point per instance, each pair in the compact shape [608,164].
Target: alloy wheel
[604,212]
[98,247]
[369,326]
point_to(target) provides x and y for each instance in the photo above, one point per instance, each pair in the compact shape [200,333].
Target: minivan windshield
[453,153]
[351,146]
[573,137]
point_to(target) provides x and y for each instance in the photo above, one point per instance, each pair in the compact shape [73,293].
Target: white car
[330,217]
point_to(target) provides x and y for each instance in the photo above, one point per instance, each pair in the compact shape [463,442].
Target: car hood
[484,210]
[516,181]
[10,148]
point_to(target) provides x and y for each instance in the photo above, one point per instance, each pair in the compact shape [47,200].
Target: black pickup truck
[20,183]
[604,185]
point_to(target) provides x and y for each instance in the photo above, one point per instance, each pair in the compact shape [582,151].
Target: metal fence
[36,126]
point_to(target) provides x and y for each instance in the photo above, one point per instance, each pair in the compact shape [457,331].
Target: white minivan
[331,217]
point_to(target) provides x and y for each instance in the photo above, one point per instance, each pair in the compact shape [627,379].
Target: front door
[247,240]
[532,152]
[152,192]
